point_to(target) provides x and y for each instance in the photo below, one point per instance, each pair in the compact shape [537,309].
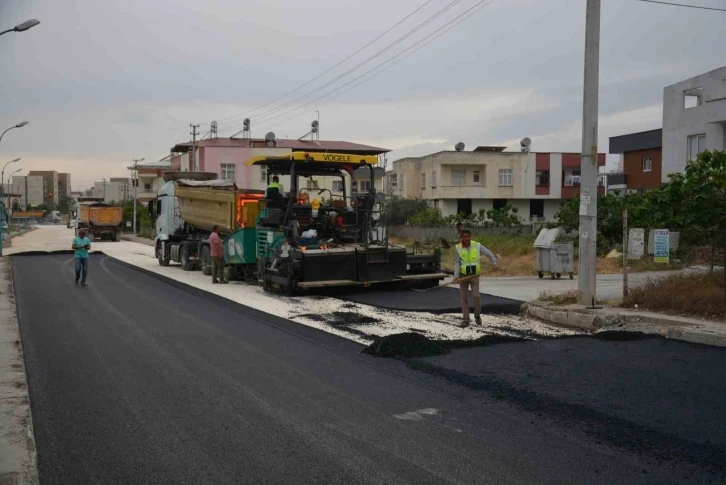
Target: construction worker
[468,263]
[275,184]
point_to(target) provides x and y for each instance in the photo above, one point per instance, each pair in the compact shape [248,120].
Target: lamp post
[2,177]
[135,181]
[28,24]
[19,125]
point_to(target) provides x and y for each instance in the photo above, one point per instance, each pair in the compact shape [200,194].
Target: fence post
[625,254]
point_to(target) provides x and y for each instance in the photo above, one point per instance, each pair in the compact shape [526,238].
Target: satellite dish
[525,142]
[460,146]
[314,123]
[246,124]
[270,136]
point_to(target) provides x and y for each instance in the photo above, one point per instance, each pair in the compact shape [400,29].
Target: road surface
[135,381]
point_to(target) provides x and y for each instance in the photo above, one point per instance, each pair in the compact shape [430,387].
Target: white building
[465,182]
[114,190]
[694,119]
[31,189]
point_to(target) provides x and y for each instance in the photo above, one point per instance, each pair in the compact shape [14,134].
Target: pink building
[226,156]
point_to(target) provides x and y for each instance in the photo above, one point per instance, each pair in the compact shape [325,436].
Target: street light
[19,125]
[22,27]
[135,181]
[2,177]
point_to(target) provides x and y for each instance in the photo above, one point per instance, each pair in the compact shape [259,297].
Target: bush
[695,294]
[428,217]
[399,209]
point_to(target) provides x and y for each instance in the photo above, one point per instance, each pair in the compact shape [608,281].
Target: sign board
[662,245]
[636,243]
[128,223]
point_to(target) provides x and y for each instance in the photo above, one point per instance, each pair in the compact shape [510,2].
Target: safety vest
[470,258]
[274,185]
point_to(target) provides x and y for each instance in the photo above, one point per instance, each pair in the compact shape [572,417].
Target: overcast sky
[104,82]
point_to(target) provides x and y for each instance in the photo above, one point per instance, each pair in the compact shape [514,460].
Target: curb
[592,320]
[563,316]
[18,455]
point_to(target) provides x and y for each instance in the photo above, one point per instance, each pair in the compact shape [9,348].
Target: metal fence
[656,259]
[434,233]
[147,231]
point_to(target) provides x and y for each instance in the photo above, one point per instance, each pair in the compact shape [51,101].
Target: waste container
[555,258]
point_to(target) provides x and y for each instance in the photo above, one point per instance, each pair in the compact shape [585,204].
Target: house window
[692,98]
[499,204]
[458,177]
[647,164]
[433,179]
[337,186]
[147,187]
[227,171]
[543,178]
[476,175]
[696,144]
[400,185]
[364,186]
[423,180]
[505,177]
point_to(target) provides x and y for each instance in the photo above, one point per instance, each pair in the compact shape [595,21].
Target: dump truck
[187,210]
[101,221]
[306,241]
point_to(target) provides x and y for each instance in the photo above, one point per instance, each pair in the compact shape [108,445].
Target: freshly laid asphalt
[135,381]
[434,300]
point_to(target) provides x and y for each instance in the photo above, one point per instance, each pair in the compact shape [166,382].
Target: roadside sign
[636,243]
[662,245]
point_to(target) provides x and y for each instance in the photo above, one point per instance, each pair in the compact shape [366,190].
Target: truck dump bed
[204,205]
[100,214]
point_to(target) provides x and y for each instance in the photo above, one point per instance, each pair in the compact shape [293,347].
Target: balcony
[617,180]
[542,190]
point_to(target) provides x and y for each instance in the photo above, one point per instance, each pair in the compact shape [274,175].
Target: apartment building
[641,161]
[113,190]
[30,189]
[694,119]
[489,178]
[226,157]
[50,186]
[64,185]
[150,178]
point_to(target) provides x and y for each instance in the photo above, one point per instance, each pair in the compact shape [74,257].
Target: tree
[399,209]
[66,204]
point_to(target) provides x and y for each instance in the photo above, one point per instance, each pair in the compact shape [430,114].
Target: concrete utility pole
[135,182]
[104,189]
[194,147]
[588,180]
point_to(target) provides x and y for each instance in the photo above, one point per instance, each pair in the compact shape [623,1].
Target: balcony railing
[617,179]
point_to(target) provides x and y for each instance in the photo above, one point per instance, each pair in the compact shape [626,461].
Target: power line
[684,5]
[365,61]
[336,65]
[405,53]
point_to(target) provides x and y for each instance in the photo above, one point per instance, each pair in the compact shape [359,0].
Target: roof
[297,145]
[636,141]
[489,149]
[164,163]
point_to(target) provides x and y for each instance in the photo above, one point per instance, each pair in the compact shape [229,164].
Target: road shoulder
[17,441]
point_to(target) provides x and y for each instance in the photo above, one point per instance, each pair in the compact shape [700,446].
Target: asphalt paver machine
[317,235]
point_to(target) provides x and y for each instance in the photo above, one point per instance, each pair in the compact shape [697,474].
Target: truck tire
[163,261]
[186,263]
[206,261]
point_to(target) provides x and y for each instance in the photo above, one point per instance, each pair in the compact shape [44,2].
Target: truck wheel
[206,261]
[186,264]
[162,260]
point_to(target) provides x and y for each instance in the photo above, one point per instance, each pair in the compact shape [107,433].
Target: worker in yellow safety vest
[468,263]
[275,184]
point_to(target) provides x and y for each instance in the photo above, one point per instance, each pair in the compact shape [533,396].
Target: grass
[702,294]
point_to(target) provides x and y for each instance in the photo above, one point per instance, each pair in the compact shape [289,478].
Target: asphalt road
[134,380]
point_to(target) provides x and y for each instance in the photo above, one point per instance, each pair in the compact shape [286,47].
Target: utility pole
[194,147]
[588,181]
[135,182]
[104,189]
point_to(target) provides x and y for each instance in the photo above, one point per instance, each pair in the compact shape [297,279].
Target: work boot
[464,324]
[477,320]
[224,282]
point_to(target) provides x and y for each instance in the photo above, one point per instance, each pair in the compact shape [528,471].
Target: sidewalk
[689,329]
[137,239]
[17,441]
